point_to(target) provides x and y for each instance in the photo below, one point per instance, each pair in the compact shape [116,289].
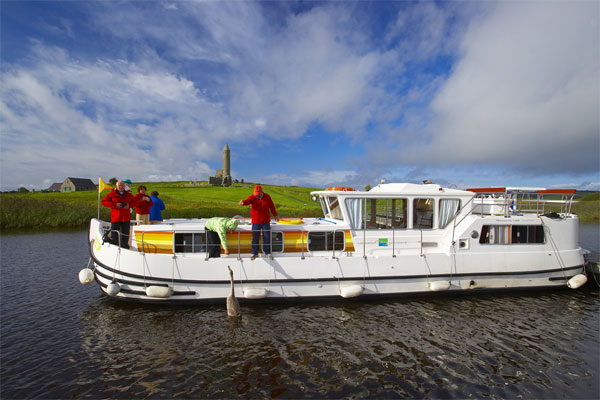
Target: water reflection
[498,346]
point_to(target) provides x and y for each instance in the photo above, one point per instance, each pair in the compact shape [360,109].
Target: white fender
[577,281]
[113,288]
[351,291]
[162,292]
[86,276]
[439,286]
[255,293]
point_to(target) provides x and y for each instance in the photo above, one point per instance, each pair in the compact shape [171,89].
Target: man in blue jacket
[156,209]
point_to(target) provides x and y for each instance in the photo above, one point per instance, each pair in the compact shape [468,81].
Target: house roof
[82,182]
[55,186]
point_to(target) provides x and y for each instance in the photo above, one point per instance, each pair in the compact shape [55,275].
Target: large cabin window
[384,213]
[423,213]
[447,210]
[321,241]
[192,242]
[515,234]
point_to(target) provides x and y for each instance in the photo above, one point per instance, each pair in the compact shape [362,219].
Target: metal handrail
[118,233]
[302,235]
[239,246]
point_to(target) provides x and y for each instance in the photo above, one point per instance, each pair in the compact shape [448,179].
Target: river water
[61,339]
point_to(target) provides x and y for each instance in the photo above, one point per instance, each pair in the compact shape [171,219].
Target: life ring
[291,221]
[341,189]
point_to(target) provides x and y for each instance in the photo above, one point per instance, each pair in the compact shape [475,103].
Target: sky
[340,93]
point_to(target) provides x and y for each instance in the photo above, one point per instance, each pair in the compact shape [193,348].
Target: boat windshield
[324,207]
[334,206]
[331,207]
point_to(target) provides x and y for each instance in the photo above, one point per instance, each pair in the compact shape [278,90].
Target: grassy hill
[36,211]
[27,211]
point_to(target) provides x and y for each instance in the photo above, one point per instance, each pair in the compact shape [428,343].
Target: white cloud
[525,94]
[310,178]
[181,79]
[63,117]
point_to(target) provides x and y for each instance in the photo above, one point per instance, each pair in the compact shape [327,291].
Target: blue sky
[316,94]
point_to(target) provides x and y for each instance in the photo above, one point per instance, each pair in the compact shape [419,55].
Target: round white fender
[161,292]
[86,276]
[577,281]
[351,291]
[113,288]
[438,286]
[255,293]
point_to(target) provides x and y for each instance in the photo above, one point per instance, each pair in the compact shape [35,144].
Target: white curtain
[355,211]
[448,209]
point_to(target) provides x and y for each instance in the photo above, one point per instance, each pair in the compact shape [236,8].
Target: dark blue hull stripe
[336,279]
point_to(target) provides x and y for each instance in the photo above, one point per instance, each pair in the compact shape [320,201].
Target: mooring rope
[554,248]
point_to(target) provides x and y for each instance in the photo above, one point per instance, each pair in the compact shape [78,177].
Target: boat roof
[538,190]
[401,188]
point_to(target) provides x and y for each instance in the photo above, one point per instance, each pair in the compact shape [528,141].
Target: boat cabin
[394,206]
[390,218]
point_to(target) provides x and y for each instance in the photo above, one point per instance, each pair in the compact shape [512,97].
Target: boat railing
[514,201]
[109,233]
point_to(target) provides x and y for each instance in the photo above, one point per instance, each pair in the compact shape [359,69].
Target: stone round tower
[226,162]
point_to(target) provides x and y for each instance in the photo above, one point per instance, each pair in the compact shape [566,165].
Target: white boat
[396,239]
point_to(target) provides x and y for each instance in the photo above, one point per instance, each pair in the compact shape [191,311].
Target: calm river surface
[61,339]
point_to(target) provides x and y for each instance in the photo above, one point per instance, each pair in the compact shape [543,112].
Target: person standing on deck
[156,209]
[262,208]
[142,209]
[120,201]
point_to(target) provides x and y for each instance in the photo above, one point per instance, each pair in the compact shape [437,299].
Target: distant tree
[367,188]
[22,190]
[113,181]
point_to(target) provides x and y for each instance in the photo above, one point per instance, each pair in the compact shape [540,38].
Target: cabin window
[423,213]
[384,213]
[398,214]
[448,209]
[321,241]
[515,234]
[276,242]
[334,207]
[355,211]
[191,242]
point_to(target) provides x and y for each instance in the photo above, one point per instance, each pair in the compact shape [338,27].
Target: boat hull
[189,278]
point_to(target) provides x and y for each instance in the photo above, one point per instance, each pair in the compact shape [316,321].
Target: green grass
[29,211]
[591,197]
[40,211]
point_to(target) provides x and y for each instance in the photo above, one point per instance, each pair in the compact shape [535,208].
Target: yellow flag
[103,185]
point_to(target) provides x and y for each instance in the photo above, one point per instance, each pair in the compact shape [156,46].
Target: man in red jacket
[143,203]
[262,207]
[120,201]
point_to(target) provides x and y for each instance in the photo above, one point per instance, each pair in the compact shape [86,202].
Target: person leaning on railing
[216,234]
